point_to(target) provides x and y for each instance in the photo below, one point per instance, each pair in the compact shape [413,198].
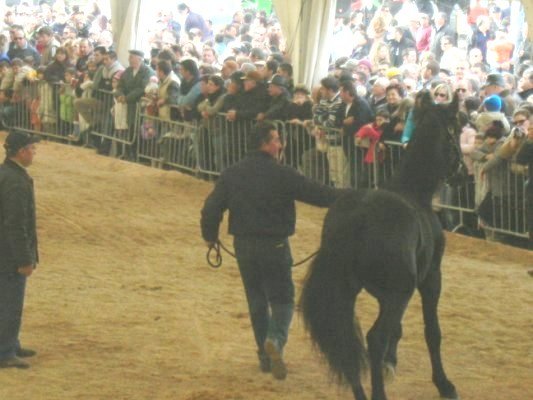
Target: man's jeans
[11,302]
[265,267]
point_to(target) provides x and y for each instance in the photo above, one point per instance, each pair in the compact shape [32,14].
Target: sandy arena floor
[124,306]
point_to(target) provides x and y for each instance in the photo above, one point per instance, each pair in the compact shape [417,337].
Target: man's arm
[310,192]
[212,212]
[16,217]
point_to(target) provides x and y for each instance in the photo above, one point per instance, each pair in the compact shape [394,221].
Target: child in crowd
[492,106]
[120,111]
[301,107]
[368,136]
[66,102]
[35,105]
[86,87]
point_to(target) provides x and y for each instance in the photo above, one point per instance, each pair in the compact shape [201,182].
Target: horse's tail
[327,303]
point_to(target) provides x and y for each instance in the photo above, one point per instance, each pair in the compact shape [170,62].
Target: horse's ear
[454,105]
[425,99]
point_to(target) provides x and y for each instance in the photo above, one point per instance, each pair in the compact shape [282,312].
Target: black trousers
[265,267]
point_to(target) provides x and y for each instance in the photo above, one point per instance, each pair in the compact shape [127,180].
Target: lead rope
[215,261]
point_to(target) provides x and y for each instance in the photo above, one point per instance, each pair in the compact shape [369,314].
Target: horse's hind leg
[391,359]
[390,316]
[430,293]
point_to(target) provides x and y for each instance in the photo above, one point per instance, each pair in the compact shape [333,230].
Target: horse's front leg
[430,293]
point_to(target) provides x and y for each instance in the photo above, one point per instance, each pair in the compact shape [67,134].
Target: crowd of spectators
[382,57]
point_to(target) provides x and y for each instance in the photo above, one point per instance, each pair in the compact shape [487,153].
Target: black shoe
[22,352]
[264,362]
[14,362]
[279,369]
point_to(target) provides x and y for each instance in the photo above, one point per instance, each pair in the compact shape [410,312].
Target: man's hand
[210,244]
[26,271]
[232,115]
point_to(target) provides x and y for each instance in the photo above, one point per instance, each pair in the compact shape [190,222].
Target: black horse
[389,242]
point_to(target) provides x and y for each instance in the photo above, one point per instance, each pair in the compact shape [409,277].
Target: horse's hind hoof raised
[389,373]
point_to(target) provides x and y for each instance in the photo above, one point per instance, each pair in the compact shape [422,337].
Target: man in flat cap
[254,99]
[18,244]
[279,100]
[495,84]
[131,88]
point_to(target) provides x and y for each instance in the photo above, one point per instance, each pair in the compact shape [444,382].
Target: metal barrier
[42,108]
[221,143]
[211,145]
[166,142]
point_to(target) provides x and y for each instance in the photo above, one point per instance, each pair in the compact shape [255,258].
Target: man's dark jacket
[18,233]
[260,195]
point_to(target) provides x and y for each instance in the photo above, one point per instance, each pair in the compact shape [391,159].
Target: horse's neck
[419,176]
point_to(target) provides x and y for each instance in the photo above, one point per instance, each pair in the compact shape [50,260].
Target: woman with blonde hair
[442,93]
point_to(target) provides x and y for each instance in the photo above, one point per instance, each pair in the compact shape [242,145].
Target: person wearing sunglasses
[525,157]
[21,48]
[442,93]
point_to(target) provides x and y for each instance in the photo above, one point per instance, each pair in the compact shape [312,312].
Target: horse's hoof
[389,373]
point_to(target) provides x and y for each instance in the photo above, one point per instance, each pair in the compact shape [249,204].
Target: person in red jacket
[368,136]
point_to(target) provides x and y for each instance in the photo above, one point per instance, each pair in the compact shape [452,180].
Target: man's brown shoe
[22,352]
[278,367]
[14,362]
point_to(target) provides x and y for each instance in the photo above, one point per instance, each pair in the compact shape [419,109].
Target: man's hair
[349,88]
[272,65]
[100,49]
[183,7]
[164,66]
[112,54]
[261,134]
[434,67]
[45,30]
[286,67]
[330,83]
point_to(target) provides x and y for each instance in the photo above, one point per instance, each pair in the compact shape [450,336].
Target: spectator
[48,45]
[525,156]
[500,51]
[130,89]
[254,99]
[368,137]
[495,84]
[21,48]
[492,106]
[378,96]
[481,36]
[168,91]
[279,100]
[189,89]
[525,84]
[423,34]
[399,43]
[353,113]
[442,29]
[451,55]
[194,21]
[84,52]
[430,73]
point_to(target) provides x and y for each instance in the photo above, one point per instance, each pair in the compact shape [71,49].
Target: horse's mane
[426,162]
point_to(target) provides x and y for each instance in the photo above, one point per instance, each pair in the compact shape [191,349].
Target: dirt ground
[124,306]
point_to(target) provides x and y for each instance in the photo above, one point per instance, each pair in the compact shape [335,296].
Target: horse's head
[450,121]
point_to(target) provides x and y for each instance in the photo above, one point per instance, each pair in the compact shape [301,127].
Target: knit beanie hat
[493,103]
